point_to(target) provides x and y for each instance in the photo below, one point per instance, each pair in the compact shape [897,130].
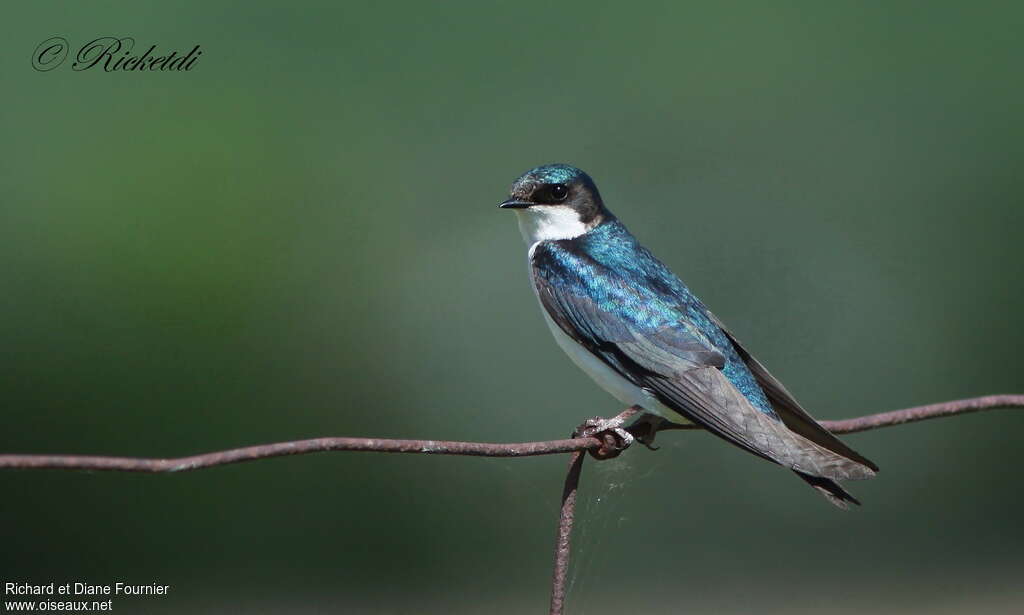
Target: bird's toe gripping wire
[613,436]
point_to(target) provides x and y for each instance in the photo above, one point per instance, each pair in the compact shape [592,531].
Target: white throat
[549,223]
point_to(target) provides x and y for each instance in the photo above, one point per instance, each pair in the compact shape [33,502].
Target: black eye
[559,192]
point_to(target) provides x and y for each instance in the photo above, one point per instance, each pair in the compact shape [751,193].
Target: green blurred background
[299,238]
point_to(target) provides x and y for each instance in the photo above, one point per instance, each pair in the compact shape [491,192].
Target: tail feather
[829,488]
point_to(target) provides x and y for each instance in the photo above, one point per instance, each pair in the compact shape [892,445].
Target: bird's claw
[614,439]
[648,441]
[646,427]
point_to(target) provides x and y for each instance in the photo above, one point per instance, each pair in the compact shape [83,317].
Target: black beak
[514,204]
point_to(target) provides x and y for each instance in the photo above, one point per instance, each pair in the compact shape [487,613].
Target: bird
[637,330]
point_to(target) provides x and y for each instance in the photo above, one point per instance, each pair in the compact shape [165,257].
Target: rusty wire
[603,446]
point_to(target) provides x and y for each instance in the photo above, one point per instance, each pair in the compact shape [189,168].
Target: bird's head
[555,201]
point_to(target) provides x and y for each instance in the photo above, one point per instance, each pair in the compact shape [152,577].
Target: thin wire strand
[601,448]
[442,447]
[563,546]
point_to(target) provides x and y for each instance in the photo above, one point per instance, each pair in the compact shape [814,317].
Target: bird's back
[610,266]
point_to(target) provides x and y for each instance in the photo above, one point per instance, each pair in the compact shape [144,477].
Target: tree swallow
[634,327]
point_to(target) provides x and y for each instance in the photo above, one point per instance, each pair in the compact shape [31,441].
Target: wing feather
[787,407]
[683,370]
[712,401]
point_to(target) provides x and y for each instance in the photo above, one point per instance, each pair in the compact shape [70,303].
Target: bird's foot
[646,427]
[614,438]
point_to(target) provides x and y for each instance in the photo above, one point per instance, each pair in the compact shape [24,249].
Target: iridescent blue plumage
[609,267]
[555,174]
[639,332]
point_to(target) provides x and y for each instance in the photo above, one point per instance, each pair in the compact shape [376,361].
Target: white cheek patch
[547,223]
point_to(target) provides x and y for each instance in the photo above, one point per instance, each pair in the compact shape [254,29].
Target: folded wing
[683,370]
